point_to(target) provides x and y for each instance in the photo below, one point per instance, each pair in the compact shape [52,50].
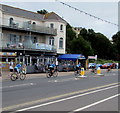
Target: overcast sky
[104,10]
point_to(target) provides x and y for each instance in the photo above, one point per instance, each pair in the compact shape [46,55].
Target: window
[15,38]
[61,27]
[51,41]
[34,39]
[11,21]
[61,43]
[34,23]
[12,38]
[51,25]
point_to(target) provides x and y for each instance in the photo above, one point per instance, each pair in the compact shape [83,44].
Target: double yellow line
[54,97]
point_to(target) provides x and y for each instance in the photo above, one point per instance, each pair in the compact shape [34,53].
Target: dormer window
[51,25]
[11,21]
[34,23]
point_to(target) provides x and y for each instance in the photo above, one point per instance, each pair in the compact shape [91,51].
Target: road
[64,93]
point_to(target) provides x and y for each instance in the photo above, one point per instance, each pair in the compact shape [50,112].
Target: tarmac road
[64,93]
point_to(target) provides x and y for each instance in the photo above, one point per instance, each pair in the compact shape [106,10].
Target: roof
[21,12]
[31,15]
[71,57]
[53,16]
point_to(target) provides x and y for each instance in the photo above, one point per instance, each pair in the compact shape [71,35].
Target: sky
[105,10]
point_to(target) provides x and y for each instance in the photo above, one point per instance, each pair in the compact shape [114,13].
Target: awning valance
[71,57]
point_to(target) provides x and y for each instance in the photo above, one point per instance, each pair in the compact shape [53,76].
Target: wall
[60,34]
[19,20]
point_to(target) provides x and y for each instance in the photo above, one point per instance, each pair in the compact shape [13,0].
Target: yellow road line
[54,97]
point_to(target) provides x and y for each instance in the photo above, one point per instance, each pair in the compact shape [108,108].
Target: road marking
[20,85]
[54,97]
[62,80]
[93,104]
[64,99]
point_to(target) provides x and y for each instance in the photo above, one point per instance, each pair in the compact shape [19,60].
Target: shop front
[67,62]
[6,57]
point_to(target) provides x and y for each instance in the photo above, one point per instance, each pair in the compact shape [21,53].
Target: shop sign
[8,54]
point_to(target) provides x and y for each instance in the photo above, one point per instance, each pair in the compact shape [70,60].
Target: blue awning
[71,57]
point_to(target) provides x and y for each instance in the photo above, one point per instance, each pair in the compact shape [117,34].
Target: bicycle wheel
[75,73]
[22,76]
[55,74]
[48,75]
[13,76]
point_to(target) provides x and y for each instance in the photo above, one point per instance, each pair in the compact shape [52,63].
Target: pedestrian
[11,67]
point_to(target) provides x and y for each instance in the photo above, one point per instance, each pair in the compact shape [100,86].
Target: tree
[70,35]
[100,44]
[42,11]
[116,43]
[81,46]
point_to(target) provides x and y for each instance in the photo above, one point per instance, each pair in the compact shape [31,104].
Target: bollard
[82,72]
[99,71]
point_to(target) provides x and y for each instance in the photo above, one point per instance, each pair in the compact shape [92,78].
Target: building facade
[34,38]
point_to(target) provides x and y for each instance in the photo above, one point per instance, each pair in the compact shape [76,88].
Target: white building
[35,38]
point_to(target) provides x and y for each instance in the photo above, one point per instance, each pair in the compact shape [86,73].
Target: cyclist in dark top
[78,67]
[17,68]
[52,68]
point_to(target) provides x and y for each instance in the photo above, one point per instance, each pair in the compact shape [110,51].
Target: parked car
[107,65]
[99,65]
[91,65]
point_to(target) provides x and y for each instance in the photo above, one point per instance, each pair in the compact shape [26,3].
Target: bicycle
[15,75]
[93,71]
[50,73]
[77,72]
[109,70]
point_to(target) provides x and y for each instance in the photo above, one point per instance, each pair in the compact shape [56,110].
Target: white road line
[19,85]
[72,97]
[62,80]
[93,104]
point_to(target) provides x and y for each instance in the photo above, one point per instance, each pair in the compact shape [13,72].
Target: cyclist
[52,68]
[24,68]
[93,69]
[78,67]
[18,67]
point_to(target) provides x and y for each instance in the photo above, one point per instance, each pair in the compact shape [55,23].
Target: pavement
[34,75]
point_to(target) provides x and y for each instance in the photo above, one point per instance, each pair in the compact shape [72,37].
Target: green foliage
[70,35]
[102,61]
[81,46]
[91,43]
[116,44]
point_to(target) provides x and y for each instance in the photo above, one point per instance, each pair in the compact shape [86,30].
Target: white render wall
[19,20]
[60,34]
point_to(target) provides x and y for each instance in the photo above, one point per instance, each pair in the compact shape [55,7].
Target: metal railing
[27,26]
[27,46]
